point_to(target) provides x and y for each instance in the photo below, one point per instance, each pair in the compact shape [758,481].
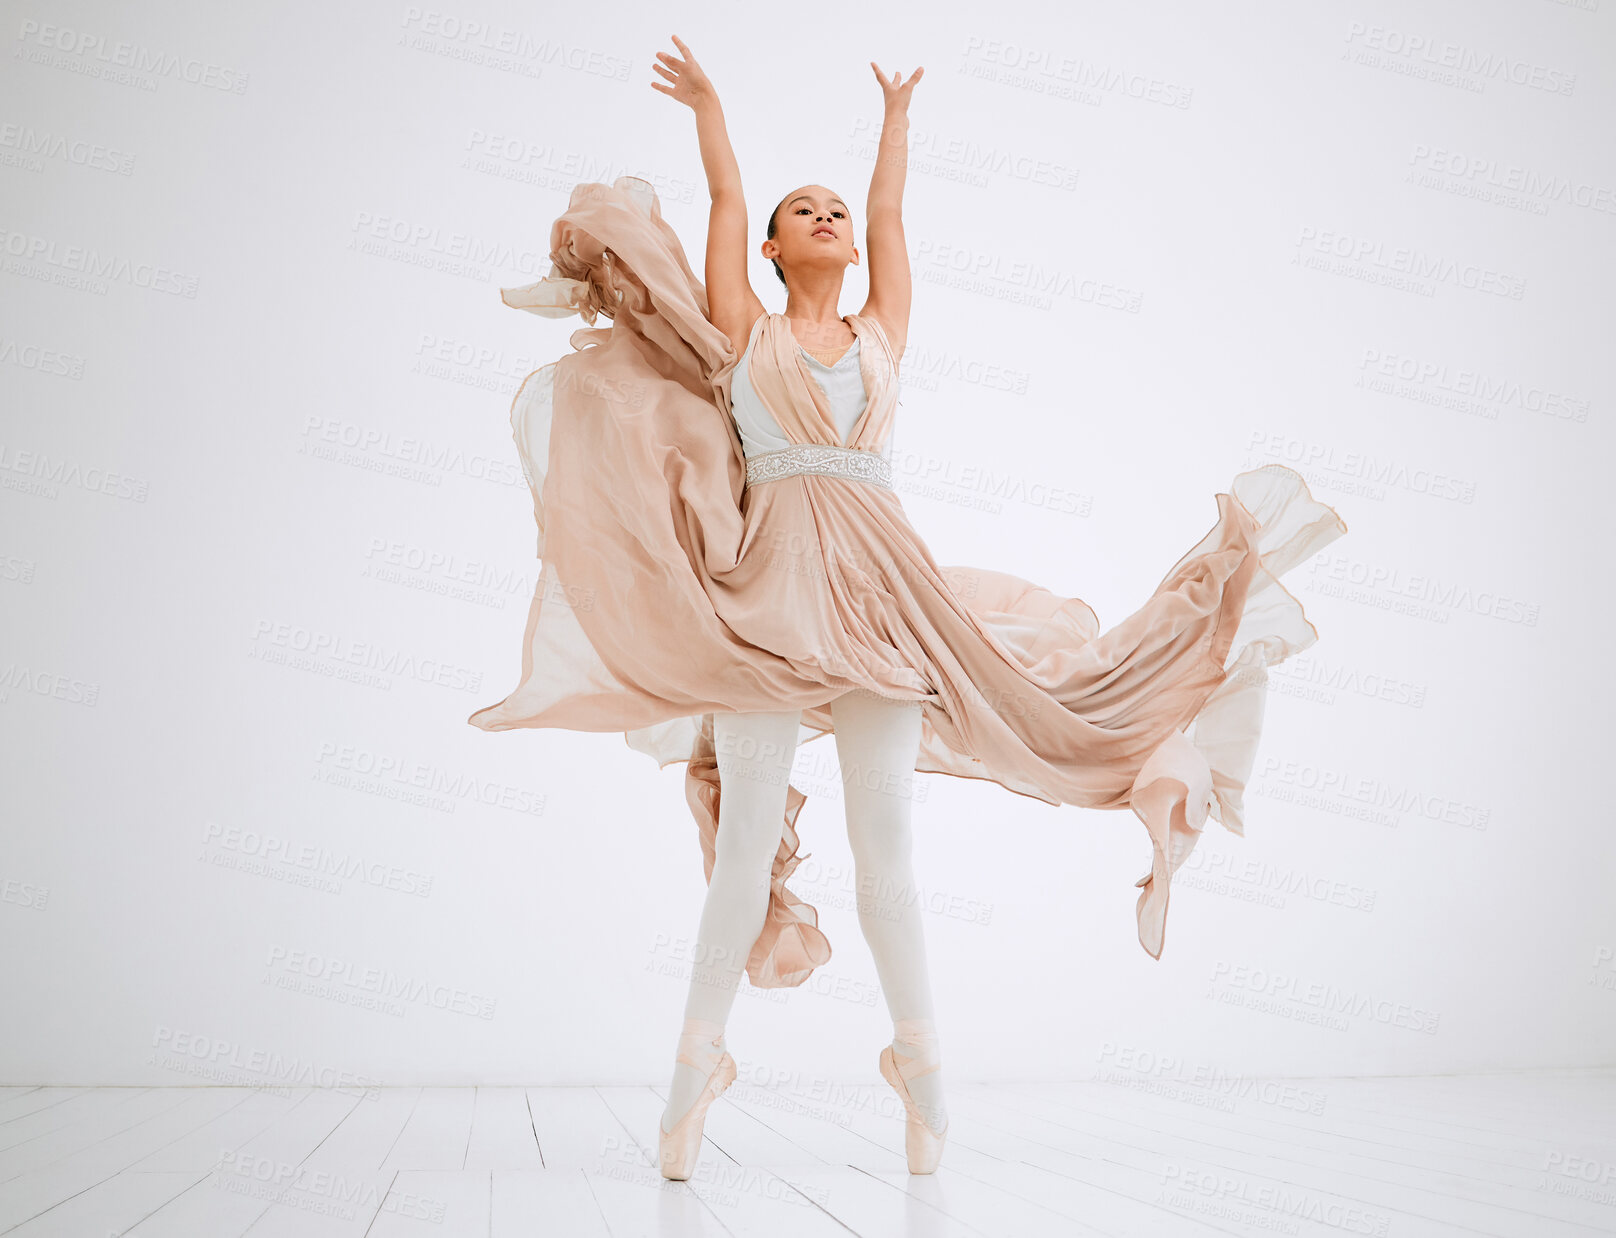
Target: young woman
[728,570]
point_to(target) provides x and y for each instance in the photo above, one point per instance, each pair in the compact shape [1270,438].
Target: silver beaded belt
[853,463]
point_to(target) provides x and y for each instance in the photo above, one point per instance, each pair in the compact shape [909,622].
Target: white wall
[316,257]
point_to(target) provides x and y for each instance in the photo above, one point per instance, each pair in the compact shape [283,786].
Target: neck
[814,309]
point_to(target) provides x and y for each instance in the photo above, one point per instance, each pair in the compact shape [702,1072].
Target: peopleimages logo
[1532,183]
[314,858]
[347,978]
[1279,993]
[1403,265]
[1465,388]
[1436,57]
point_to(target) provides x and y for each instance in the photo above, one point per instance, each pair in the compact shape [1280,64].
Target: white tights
[876,743]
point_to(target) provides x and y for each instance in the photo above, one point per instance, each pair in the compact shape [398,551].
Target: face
[813,228]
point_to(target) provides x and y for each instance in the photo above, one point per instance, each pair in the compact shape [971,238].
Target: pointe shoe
[922,1146]
[679,1149]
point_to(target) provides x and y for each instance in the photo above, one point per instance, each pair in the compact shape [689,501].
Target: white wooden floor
[1523,1155]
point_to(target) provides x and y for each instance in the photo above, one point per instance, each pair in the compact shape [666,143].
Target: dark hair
[770,236]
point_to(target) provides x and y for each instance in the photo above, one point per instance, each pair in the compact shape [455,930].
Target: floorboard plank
[460,1204]
[338,1188]
[111,1206]
[544,1201]
[88,1154]
[437,1134]
[502,1134]
[1522,1155]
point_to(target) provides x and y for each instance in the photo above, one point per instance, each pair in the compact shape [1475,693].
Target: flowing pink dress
[672,588]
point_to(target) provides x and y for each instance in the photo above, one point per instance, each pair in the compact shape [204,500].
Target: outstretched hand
[690,83]
[897,96]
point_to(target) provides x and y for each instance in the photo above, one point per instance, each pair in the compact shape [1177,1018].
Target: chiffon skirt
[671,590]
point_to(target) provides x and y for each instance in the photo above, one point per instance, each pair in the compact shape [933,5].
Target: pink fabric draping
[670,590]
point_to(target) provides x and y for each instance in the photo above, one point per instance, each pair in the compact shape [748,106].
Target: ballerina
[728,571]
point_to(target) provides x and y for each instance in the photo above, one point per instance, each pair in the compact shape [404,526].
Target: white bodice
[842,384]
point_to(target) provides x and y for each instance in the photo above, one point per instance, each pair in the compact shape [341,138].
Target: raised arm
[731,304]
[890,289]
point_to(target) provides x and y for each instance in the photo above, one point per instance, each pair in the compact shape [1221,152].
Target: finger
[672,77]
[680,44]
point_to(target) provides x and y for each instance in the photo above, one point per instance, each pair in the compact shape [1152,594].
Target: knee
[878,786]
[883,877]
[878,808]
[880,846]
[746,843]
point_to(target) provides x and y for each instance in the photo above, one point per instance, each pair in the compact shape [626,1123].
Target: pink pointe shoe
[678,1150]
[922,1146]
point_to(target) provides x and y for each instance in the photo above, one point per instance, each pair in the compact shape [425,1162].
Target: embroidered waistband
[853,463]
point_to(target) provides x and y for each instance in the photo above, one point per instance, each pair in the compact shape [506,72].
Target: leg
[877,743]
[754,754]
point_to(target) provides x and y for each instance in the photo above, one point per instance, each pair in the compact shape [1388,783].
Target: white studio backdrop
[266,543]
